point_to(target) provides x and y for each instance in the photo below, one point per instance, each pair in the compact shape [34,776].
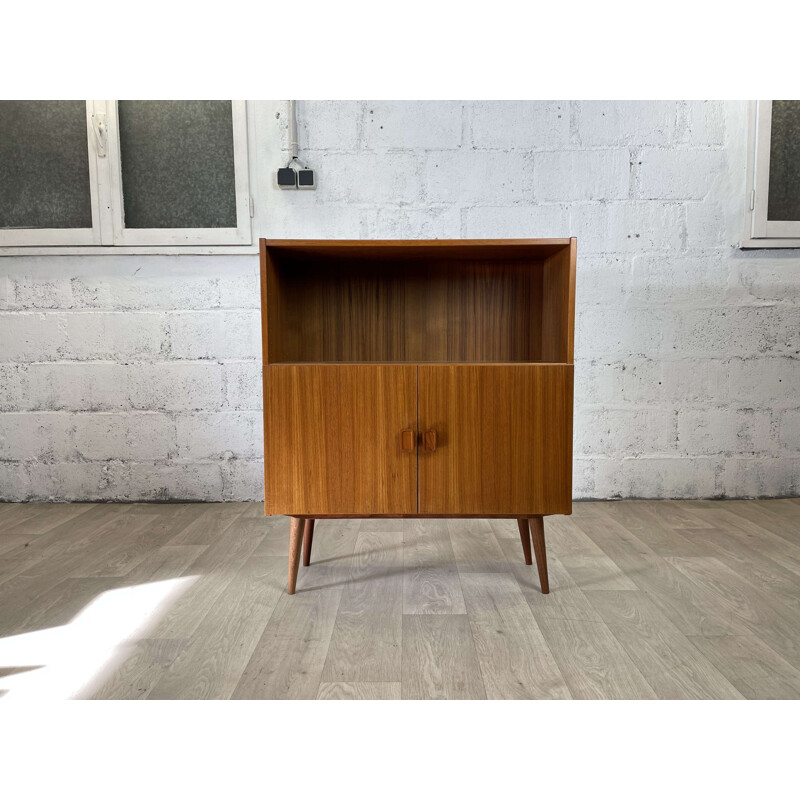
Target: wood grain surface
[333,439]
[431,582]
[439,659]
[345,324]
[504,439]
[442,300]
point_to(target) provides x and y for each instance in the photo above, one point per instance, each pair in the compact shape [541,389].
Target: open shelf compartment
[463,301]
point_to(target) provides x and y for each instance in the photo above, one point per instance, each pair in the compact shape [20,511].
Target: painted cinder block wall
[138,377]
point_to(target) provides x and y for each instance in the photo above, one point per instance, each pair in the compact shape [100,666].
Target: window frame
[760,232]
[108,233]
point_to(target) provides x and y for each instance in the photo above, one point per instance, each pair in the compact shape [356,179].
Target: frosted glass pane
[784,161]
[177,163]
[44,164]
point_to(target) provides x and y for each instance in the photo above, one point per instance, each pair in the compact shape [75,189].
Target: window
[48,175]
[773,181]
[124,173]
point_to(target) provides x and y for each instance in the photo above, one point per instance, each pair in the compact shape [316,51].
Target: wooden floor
[664,599]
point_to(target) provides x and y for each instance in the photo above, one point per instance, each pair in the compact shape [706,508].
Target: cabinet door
[340,439]
[495,439]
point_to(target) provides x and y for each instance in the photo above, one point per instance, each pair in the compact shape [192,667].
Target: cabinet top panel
[471,248]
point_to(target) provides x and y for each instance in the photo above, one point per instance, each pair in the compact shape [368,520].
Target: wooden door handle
[429,440]
[407,439]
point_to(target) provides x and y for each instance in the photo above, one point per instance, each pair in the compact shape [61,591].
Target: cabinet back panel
[416,310]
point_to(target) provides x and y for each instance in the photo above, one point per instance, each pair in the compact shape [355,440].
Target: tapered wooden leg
[295,543]
[525,536]
[308,538]
[537,535]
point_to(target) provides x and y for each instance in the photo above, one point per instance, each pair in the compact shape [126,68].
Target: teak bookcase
[418,379]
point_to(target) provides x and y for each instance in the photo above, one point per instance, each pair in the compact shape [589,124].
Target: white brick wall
[138,377]
[582,175]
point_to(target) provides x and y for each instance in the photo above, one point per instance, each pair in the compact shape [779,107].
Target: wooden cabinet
[418,378]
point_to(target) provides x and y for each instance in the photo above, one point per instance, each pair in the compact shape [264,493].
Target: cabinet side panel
[558,305]
[262,250]
[297,307]
[573,269]
[272,304]
[333,439]
[504,439]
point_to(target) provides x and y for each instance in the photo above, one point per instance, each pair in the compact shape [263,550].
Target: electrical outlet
[306,179]
[287,178]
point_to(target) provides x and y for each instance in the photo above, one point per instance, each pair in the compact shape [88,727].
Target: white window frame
[759,231]
[108,233]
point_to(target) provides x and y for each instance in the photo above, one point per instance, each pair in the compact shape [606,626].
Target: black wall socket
[306,179]
[287,178]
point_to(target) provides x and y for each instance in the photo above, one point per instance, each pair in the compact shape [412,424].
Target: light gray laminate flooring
[649,599]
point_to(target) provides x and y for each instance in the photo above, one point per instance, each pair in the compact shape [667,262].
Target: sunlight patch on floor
[57,663]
